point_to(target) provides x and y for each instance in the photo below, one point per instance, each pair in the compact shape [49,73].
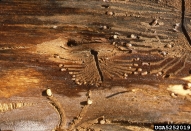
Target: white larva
[129,45]
[137,59]
[70,73]
[173,95]
[139,69]
[63,69]
[125,75]
[109,13]
[133,36]
[102,122]
[104,27]
[145,63]
[144,73]
[54,27]
[49,92]
[136,64]
[169,46]
[160,73]
[89,101]
[60,65]
[115,36]
[189,85]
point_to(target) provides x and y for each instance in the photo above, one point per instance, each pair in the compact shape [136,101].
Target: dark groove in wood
[95,53]
[183,27]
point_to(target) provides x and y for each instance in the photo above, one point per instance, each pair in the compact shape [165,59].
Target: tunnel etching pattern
[93,62]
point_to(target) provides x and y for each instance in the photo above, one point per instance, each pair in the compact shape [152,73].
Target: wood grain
[131,58]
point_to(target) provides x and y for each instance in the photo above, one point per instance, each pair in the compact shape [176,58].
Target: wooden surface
[130,58]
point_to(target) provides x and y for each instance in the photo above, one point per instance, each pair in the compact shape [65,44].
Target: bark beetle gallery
[94,65]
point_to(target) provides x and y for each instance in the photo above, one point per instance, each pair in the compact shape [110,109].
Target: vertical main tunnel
[183,22]
[95,53]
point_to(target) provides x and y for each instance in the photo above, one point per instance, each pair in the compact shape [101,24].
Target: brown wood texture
[107,64]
